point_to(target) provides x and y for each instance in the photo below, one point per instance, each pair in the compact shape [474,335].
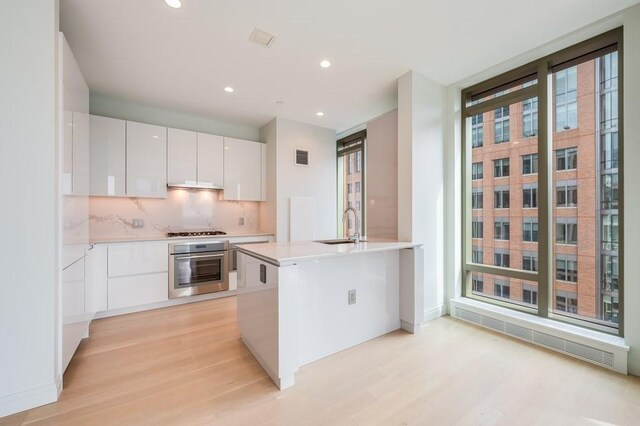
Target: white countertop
[132,239]
[284,254]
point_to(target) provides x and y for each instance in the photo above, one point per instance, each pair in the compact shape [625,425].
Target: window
[529,164]
[501,167]
[610,232]
[567,231]
[477,255]
[476,198]
[530,294]
[566,268]
[501,125]
[501,289]
[529,261]
[609,191]
[566,302]
[501,229]
[566,194]
[577,89]
[501,198]
[476,171]
[478,283]
[530,195]
[566,96]
[530,117]
[477,228]
[351,178]
[476,131]
[567,159]
[530,230]
[501,258]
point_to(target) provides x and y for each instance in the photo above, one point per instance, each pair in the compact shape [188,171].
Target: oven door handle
[199,256]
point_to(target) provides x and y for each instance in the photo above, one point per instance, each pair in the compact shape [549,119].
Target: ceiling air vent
[302,157]
[262,37]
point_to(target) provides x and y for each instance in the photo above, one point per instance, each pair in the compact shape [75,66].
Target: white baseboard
[25,400]
[433,313]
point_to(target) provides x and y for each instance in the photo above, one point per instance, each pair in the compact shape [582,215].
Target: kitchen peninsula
[302,301]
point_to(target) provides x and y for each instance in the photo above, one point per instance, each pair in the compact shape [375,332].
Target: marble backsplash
[182,210]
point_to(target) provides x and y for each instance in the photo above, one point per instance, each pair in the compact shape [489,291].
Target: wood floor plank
[186,365]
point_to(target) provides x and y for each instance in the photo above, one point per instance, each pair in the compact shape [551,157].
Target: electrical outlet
[137,223]
[352,297]
[241,221]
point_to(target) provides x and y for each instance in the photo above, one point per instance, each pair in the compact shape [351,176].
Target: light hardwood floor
[186,365]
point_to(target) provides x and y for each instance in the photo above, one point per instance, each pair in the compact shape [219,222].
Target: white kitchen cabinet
[210,160]
[182,152]
[74,323]
[138,290]
[95,295]
[138,258]
[263,176]
[146,160]
[107,154]
[242,170]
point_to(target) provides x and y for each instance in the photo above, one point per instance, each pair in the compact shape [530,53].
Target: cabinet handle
[263,274]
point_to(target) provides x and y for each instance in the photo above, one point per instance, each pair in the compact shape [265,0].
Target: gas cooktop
[195,234]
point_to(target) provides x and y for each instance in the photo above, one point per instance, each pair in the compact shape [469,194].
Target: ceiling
[181,59]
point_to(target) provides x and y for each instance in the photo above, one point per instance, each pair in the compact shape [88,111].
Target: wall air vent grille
[262,37]
[568,347]
[302,157]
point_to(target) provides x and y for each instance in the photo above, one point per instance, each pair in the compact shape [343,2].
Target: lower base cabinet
[137,290]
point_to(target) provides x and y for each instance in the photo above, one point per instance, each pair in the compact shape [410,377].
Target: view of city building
[504,194]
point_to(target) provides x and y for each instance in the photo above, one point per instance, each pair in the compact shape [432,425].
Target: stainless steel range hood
[190,184]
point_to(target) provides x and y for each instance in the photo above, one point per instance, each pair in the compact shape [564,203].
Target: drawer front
[138,290]
[136,259]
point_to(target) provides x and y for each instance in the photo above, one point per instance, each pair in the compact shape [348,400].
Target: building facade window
[358,161]
[566,99]
[501,125]
[610,308]
[529,164]
[530,195]
[501,289]
[349,188]
[530,230]
[567,268]
[566,302]
[357,187]
[477,228]
[530,294]
[609,151]
[477,283]
[566,194]
[477,136]
[530,117]
[610,232]
[501,167]
[530,261]
[501,198]
[477,171]
[567,159]
[567,231]
[477,198]
[501,229]
[501,258]
[358,205]
[477,255]
[609,268]
[609,191]
[351,182]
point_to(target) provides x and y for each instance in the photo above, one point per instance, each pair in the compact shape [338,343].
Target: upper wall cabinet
[242,170]
[107,151]
[146,160]
[195,160]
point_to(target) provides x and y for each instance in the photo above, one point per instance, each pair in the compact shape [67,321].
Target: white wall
[631,187]
[381,189]
[28,161]
[126,110]
[421,105]
[286,180]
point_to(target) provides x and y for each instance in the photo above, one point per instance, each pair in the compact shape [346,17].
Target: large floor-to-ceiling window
[351,180]
[542,183]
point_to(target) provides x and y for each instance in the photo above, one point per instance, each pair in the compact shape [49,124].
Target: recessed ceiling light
[319,113]
[228,89]
[325,63]
[174,3]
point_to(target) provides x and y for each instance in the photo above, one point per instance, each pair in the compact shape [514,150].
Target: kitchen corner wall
[182,210]
[286,180]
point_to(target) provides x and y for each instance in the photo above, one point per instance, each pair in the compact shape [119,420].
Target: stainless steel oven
[198,268]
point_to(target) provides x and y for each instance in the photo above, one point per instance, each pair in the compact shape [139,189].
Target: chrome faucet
[356,236]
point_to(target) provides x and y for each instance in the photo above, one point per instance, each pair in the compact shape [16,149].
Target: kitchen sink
[338,241]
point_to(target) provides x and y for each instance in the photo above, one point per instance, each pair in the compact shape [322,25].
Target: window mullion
[545,171]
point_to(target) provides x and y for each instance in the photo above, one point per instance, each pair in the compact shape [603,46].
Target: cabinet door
[138,290]
[107,147]
[95,296]
[146,160]
[210,160]
[242,170]
[80,153]
[263,174]
[67,153]
[138,258]
[74,325]
[181,157]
